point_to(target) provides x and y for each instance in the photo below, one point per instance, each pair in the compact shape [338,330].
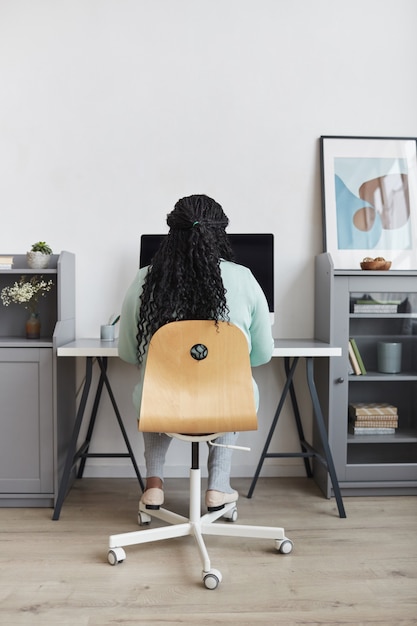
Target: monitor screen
[254,250]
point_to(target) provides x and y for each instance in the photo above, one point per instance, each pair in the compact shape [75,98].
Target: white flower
[26,292]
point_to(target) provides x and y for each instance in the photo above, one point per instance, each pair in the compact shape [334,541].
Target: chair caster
[116,555]
[231,516]
[284,546]
[144,519]
[212,579]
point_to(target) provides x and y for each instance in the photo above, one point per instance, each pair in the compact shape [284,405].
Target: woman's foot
[215,500]
[153,496]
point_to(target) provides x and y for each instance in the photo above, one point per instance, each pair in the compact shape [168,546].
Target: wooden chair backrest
[189,396]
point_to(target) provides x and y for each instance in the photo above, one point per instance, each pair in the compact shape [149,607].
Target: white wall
[110,110]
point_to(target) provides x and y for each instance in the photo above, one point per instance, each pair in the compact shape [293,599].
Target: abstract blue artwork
[369,193]
[372,203]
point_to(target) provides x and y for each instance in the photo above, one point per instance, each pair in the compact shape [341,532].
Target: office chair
[197,386]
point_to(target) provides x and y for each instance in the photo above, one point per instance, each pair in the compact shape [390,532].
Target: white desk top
[283,347]
[89,347]
[304,347]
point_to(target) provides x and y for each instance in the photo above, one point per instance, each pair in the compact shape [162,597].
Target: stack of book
[372,418]
[355,359]
[6,262]
[374,307]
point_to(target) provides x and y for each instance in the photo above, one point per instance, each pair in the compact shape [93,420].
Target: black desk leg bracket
[307,451]
[265,454]
[324,437]
[73,455]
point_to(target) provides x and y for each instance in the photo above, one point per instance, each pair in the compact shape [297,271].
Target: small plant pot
[37,260]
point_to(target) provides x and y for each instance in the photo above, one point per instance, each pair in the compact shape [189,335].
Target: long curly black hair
[183,280]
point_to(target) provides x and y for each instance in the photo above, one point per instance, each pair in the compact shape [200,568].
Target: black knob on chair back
[199,351]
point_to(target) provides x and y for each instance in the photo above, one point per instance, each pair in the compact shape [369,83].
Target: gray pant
[218,463]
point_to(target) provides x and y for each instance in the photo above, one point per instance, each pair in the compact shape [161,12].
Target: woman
[193,276]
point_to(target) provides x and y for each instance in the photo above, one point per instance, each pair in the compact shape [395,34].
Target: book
[376,423]
[353,430]
[6,262]
[367,418]
[358,355]
[372,408]
[353,361]
[368,299]
[375,308]
[363,419]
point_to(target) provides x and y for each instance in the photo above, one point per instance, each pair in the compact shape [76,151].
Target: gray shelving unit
[37,392]
[370,464]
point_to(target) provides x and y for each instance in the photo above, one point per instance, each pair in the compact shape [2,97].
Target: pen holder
[107,332]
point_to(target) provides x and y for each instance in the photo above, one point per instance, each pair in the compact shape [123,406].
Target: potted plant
[39,255]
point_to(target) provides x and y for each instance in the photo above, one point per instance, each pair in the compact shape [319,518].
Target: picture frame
[369,200]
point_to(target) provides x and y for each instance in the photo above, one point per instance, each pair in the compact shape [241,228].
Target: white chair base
[196,525]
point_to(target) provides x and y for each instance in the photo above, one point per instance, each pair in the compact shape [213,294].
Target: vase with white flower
[27,291]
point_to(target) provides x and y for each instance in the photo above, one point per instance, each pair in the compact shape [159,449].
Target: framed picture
[369,197]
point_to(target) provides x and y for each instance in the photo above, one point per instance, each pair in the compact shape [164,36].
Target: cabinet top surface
[375,273]
[20,265]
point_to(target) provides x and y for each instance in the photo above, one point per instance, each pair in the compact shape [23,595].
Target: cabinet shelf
[401,436]
[394,316]
[22,342]
[20,265]
[27,270]
[379,377]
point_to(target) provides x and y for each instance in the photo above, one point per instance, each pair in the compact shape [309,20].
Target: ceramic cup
[389,357]
[107,332]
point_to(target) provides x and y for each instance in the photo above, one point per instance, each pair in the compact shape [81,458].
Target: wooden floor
[359,570]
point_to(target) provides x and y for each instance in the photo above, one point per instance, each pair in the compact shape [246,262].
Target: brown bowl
[376,265]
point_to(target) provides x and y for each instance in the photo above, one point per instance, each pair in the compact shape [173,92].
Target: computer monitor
[254,250]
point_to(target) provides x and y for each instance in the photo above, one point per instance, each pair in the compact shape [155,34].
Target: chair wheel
[212,579]
[143,519]
[116,555]
[231,516]
[285,546]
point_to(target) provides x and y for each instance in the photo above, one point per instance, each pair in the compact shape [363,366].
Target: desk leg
[103,366]
[300,430]
[264,454]
[91,424]
[69,462]
[323,435]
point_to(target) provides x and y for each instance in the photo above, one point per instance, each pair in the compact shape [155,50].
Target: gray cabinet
[368,464]
[37,393]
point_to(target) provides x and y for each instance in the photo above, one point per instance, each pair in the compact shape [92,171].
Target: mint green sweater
[248,309]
